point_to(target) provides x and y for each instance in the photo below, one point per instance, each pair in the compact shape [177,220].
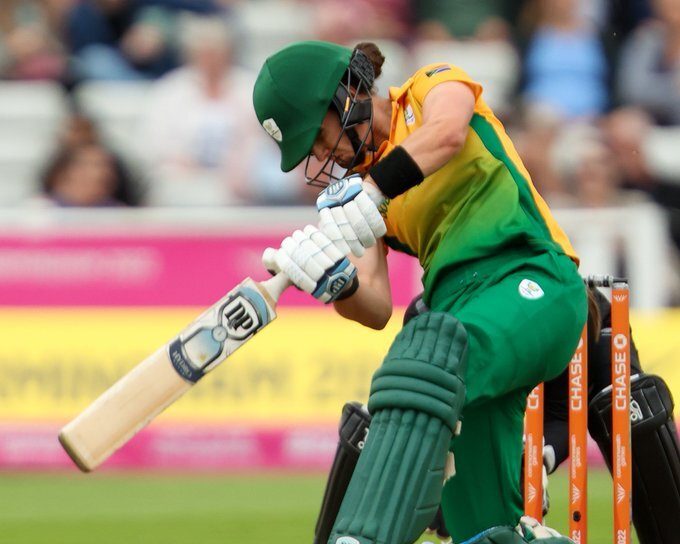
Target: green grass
[197,509]
[600,507]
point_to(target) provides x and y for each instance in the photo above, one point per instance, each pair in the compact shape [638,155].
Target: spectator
[565,62]
[534,139]
[200,134]
[650,65]
[29,39]
[625,15]
[344,21]
[595,12]
[586,165]
[625,130]
[83,176]
[463,19]
[127,39]
[80,131]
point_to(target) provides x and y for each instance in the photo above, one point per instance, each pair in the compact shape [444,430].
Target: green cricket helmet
[296,87]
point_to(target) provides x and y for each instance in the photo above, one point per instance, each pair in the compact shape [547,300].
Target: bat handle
[276,285]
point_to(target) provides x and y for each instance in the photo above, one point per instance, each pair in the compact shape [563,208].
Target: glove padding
[528,530]
[313,263]
[532,531]
[349,216]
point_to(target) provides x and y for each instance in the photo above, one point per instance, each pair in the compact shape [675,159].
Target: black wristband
[349,291]
[396,173]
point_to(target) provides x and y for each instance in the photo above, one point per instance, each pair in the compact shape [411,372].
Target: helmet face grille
[351,111]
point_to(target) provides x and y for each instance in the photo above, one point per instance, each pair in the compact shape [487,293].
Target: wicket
[578,427]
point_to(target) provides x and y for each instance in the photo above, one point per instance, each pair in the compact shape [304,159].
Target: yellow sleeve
[433,74]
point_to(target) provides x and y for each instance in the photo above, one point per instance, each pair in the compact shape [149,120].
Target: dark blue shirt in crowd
[89,25]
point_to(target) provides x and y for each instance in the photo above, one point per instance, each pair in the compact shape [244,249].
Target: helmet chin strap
[352,112]
[358,146]
[361,146]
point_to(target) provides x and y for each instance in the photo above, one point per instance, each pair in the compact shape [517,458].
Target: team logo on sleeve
[272,129]
[530,289]
[409,115]
[438,70]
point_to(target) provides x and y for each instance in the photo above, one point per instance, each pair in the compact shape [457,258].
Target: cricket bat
[162,378]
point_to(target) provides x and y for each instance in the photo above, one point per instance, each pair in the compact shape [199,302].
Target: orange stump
[621,454]
[578,442]
[533,454]
[578,427]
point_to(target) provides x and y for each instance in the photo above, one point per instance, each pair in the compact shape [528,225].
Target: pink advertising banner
[147,270]
[182,448]
[191,448]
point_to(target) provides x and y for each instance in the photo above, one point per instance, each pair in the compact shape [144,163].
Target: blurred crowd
[582,85]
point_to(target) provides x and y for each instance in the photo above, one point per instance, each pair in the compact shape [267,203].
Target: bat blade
[163,377]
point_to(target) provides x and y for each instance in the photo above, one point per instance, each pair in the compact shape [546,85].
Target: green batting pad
[416,399]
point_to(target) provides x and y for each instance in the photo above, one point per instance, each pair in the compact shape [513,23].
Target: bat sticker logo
[240,318]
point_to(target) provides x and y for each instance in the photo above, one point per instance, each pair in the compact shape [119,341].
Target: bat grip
[276,285]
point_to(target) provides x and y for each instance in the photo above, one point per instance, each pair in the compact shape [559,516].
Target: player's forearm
[370,306]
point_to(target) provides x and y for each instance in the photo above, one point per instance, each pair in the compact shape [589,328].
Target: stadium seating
[116,108]
[495,65]
[397,67]
[661,150]
[30,117]
[270,24]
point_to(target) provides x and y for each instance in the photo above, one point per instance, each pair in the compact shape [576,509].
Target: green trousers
[523,314]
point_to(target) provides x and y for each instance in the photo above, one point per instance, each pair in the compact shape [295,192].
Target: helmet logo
[273,129]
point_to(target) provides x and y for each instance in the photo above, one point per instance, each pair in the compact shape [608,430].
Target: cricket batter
[431,171]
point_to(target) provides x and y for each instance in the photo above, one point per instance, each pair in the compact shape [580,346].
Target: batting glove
[533,531]
[349,216]
[314,264]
